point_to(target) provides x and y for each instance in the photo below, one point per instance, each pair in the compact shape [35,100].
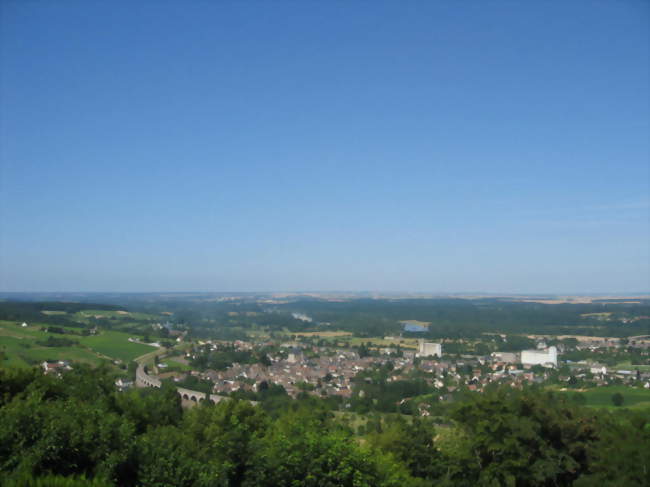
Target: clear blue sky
[253,146]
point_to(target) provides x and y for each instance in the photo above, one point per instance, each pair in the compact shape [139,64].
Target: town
[309,366]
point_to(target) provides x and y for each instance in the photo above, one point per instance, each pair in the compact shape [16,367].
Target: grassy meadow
[20,346]
[115,344]
[601,397]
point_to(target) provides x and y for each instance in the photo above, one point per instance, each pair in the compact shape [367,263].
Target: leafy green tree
[62,437]
[167,457]
[363,350]
[226,434]
[411,443]
[151,407]
[14,381]
[619,456]
[27,480]
[618,399]
[299,451]
[526,438]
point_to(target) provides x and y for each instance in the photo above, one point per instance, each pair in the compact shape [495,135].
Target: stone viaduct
[142,379]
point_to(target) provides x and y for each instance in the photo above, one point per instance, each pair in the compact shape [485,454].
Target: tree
[618,399]
[151,407]
[578,398]
[300,450]
[363,350]
[527,437]
[63,437]
[227,434]
[167,457]
[411,443]
[617,458]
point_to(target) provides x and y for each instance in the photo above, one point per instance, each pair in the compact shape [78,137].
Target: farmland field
[628,366]
[20,348]
[20,345]
[602,396]
[175,365]
[323,334]
[87,315]
[382,342]
[115,344]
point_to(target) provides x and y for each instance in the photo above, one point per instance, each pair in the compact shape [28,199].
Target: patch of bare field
[323,334]
[580,299]
[416,323]
[169,375]
[580,338]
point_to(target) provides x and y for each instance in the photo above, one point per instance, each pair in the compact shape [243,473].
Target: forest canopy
[78,429]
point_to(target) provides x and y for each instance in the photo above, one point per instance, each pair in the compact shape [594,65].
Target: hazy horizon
[363,292]
[438,146]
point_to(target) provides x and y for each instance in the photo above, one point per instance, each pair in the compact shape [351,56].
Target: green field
[12,328]
[89,315]
[174,365]
[19,346]
[602,396]
[115,344]
[25,352]
[629,366]
[380,342]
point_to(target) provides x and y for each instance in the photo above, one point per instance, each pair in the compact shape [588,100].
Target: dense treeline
[449,318]
[33,311]
[77,429]
[225,355]
[464,318]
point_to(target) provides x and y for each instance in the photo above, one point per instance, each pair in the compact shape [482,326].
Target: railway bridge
[142,379]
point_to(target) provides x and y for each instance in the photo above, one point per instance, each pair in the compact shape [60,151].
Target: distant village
[327,369]
[331,371]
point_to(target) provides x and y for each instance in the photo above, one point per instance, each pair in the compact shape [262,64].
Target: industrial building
[540,357]
[426,349]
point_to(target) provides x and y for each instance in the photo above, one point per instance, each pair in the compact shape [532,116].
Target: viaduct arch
[142,379]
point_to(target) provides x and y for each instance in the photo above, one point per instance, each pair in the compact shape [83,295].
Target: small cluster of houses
[55,367]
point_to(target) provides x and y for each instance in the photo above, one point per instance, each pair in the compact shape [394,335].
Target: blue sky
[264,146]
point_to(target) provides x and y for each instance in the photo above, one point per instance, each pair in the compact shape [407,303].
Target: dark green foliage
[28,480]
[374,392]
[618,399]
[33,311]
[14,381]
[63,437]
[224,357]
[532,439]
[578,398]
[62,431]
[299,448]
[621,456]
[151,408]
[192,382]
[227,433]
[412,443]
[57,342]
[167,457]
